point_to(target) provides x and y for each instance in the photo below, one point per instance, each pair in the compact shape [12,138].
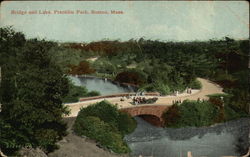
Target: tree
[31,94]
[82,68]
[107,125]
[131,77]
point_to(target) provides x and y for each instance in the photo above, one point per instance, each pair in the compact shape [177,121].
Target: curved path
[208,87]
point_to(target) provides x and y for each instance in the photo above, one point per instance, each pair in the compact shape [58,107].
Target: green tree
[76,92]
[31,93]
[105,124]
[82,68]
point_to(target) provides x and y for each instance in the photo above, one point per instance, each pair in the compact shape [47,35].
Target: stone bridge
[151,113]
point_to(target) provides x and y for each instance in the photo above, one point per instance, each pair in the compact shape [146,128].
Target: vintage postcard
[124,79]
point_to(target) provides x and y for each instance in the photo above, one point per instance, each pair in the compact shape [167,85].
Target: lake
[105,87]
[231,138]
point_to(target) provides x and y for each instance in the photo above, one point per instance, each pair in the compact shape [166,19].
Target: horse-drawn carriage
[143,100]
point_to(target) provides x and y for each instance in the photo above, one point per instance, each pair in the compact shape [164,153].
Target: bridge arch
[150,113]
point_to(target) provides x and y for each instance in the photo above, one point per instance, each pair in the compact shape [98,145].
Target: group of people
[176,101]
[189,91]
[179,101]
[138,100]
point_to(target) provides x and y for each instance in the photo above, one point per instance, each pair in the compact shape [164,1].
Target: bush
[105,124]
[76,92]
[126,124]
[131,77]
[10,139]
[195,84]
[171,115]
[231,114]
[47,138]
[219,95]
[162,88]
[228,108]
[104,110]
[192,113]
[82,68]
[93,93]
[216,101]
[106,135]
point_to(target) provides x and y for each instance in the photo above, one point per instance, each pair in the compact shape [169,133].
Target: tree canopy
[31,94]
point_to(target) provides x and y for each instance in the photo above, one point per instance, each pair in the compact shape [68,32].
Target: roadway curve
[208,87]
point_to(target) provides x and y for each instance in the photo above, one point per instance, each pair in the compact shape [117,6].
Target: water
[226,139]
[105,87]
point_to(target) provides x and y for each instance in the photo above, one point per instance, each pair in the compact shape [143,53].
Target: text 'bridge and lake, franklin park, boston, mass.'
[65,12]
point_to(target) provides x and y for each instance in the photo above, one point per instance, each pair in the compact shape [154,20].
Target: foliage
[33,82]
[201,113]
[170,66]
[103,133]
[11,139]
[93,93]
[31,93]
[105,124]
[104,66]
[192,113]
[219,95]
[231,113]
[171,115]
[162,88]
[82,68]
[195,84]
[126,124]
[104,110]
[64,55]
[130,77]
[76,92]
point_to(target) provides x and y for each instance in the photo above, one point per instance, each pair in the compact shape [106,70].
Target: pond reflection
[105,87]
[226,139]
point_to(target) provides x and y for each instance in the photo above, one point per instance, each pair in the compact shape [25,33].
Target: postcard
[124,79]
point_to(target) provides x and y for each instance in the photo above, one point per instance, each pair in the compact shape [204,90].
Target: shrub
[228,108]
[82,68]
[126,124]
[131,77]
[10,139]
[195,84]
[162,88]
[47,138]
[76,92]
[171,115]
[216,101]
[219,95]
[231,113]
[105,124]
[198,113]
[219,103]
[93,93]
[191,113]
[104,110]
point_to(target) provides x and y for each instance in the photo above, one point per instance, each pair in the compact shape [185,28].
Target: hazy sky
[163,20]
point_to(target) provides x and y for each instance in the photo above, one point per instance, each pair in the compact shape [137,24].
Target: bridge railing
[118,95]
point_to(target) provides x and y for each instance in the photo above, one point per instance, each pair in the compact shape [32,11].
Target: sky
[158,20]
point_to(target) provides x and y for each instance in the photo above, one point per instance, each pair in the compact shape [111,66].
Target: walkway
[208,87]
